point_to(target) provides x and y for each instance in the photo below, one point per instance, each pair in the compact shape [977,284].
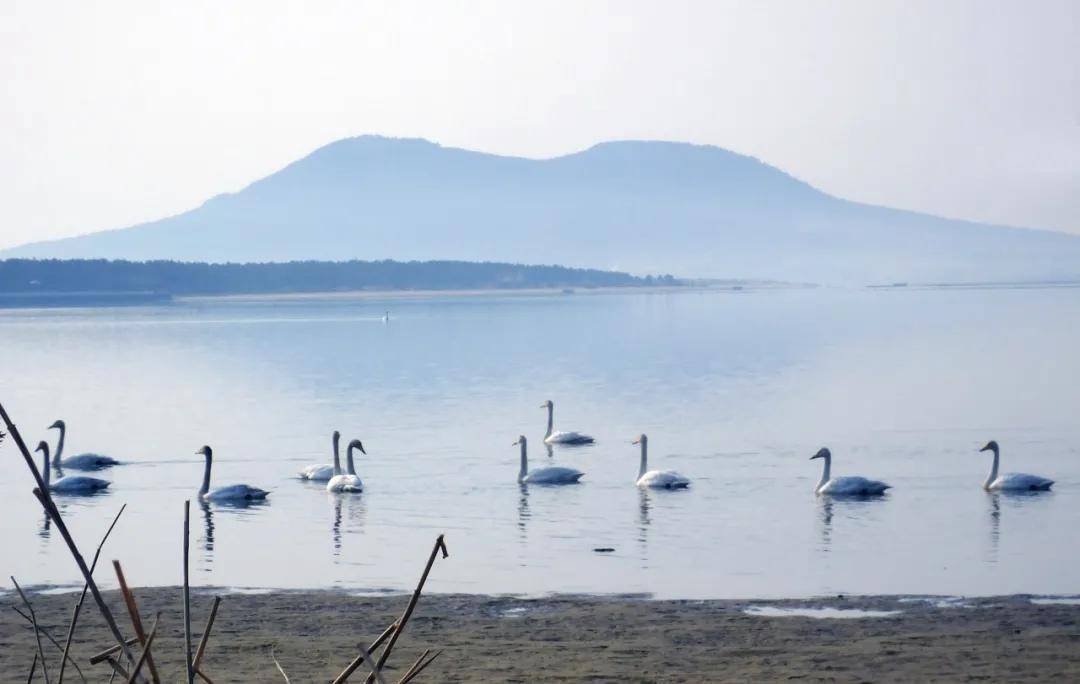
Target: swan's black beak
[362,450]
[815,456]
[55,426]
[636,441]
[986,448]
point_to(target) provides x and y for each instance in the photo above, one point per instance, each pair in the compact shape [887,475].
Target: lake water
[735,390]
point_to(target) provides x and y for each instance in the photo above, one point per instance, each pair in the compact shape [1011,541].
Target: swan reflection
[349,514]
[523,508]
[644,521]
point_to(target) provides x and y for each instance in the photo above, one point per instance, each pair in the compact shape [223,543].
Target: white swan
[234,493]
[560,437]
[845,486]
[322,472]
[553,475]
[1011,482]
[657,479]
[80,461]
[73,484]
[348,481]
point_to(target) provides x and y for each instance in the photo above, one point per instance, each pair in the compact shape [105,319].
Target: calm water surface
[736,390]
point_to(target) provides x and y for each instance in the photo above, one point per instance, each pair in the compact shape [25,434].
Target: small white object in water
[818,613]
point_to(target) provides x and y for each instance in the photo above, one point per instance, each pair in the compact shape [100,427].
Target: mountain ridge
[639,206]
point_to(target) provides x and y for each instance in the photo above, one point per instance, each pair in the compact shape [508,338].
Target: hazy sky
[120,112]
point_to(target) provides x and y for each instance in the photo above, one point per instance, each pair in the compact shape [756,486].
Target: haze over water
[735,390]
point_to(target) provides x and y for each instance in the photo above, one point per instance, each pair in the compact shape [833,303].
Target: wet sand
[568,638]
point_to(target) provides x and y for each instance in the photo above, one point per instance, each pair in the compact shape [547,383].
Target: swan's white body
[323,471]
[657,479]
[1011,482]
[845,486]
[552,436]
[551,475]
[73,484]
[349,481]
[79,461]
[233,493]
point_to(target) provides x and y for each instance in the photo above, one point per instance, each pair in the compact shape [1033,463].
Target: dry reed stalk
[359,660]
[136,620]
[187,596]
[37,635]
[440,545]
[52,640]
[106,614]
[110,651]
[145,651]
[206,634]
[42,494]
[414,675]
[33,668]
[278,666]
[416,663]
[82,597]
[117,668]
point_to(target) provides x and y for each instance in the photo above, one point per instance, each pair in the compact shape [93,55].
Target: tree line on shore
[196,278]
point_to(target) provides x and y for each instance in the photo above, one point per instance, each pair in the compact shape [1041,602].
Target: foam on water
[819,613]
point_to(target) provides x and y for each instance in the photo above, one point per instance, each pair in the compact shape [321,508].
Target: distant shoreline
[570,637]
[430,294]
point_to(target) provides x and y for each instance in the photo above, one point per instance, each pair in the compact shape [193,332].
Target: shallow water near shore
[735,390]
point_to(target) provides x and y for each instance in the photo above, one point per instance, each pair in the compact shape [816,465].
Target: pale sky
[120,112]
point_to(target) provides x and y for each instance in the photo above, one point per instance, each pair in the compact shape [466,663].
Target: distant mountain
[643,207]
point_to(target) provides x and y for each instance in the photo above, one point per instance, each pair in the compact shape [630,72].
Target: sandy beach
[570,638]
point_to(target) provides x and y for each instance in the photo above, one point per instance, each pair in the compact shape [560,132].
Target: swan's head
[205,451]
[990,446]
[355,444]
[520,440]
[57,425]
[547,404]
[642,439]
[43,448]
[822,453]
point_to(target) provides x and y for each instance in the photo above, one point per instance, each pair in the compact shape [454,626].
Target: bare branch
[279,667]
[37,635]
[82,597]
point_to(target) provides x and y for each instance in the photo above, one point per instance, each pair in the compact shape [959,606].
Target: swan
[80,461]
[322,472]
[845,486]
[657,479]
[560,437]
[73,484]
[553,475]
[233,493]
[1011,482]
[349,481]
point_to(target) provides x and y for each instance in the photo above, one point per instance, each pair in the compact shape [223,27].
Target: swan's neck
[993,470]
[45,468]
[337,458]
[206,477]
[644,458]
[60,445]
[351,469]
[524,464]
[551,421]
[826,471]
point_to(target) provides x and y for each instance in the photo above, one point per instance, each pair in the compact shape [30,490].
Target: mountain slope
[635,206]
